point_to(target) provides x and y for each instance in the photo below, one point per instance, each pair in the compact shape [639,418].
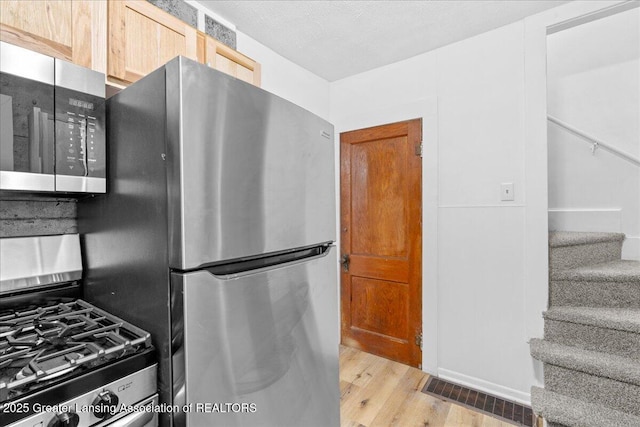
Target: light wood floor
[378,392]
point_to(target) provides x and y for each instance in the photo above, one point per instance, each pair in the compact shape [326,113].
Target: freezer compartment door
[249,173]
[258,349]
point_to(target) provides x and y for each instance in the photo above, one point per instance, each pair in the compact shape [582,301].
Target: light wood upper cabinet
[124,39]
[221,57]
[64,29]
[143,37]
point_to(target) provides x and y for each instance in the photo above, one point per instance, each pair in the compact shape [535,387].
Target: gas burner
[40,345]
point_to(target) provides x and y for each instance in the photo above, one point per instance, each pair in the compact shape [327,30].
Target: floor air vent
[504,409]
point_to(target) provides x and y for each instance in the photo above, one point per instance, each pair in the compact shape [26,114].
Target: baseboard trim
[485,386]
[586,219]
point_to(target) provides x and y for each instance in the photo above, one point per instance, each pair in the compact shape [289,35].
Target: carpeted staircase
[591,345]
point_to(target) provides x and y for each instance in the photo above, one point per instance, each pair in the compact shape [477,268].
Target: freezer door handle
[345,260]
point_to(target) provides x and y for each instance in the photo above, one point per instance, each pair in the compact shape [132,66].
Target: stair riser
[593,253]
[626,344]
[570,412]
[595,294]
[604,391]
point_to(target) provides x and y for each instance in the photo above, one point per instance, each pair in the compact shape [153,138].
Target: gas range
[65,362]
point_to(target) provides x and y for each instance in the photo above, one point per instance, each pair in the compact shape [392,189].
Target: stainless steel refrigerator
[216,235]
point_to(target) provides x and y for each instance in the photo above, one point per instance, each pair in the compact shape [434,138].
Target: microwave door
[26,113]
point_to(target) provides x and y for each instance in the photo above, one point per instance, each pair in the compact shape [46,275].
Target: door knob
[345,262]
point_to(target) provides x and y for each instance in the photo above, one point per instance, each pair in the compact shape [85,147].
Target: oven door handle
[138,419]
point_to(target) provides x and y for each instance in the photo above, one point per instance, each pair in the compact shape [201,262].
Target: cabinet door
[143,37]
[65,29]
[223,58]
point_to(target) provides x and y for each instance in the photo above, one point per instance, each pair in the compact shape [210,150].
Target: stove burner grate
[41,344]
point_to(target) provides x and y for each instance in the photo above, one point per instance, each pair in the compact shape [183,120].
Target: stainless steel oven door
[258,348]
[147,418]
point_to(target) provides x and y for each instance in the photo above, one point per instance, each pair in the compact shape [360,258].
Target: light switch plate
[506,192]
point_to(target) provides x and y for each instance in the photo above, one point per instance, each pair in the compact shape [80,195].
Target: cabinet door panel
[141,49]
[172,44]
[46,19]
[223,58]
[74,31]
[142,37]
[44,26]
[226,65]
[246,74]
[81,37]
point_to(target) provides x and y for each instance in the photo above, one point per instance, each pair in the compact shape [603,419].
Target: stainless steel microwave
[52,124]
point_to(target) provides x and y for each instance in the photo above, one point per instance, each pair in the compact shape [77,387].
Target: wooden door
[143,37]
[381,228]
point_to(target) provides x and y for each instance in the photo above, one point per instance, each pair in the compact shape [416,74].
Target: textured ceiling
[337,39]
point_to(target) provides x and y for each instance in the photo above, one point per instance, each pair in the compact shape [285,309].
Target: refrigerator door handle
[248,267]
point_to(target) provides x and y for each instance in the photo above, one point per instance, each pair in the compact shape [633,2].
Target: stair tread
[568,411]
[572,238]
[620,319]
[597,363]
[612,271]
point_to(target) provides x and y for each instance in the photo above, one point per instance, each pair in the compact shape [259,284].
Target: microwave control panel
[80,134]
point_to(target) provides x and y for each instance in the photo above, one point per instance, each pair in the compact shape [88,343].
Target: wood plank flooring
[379,392]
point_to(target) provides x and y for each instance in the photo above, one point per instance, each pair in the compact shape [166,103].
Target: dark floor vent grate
[494,406]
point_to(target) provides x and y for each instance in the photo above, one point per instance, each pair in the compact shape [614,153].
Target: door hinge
[419,150]
[419,340]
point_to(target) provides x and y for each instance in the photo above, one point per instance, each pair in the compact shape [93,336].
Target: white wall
[485,261]
[480,239]
[470,95]
[594,85]
[286,79]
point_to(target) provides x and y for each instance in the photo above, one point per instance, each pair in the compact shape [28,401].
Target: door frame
[426,109]
[411,351]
